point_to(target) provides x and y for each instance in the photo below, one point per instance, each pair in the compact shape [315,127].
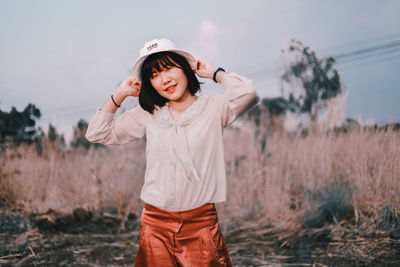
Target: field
[294,199]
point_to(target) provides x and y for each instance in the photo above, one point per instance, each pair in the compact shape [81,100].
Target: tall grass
[272,178]
[296,174]
[95,179]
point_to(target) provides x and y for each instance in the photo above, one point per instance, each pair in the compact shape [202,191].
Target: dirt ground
[108,239]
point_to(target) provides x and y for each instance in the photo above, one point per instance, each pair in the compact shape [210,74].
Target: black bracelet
[215,73]
[114,101]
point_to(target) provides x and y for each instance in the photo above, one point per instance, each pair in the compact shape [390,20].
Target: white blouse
[185,166]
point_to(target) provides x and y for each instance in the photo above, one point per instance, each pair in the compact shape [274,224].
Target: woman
[185,168]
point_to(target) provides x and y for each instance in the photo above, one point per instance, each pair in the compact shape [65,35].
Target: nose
[165,77]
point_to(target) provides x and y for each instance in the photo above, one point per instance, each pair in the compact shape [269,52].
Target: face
[171,83]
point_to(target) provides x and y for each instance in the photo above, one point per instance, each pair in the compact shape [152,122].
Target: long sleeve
[240,95]
[104,129]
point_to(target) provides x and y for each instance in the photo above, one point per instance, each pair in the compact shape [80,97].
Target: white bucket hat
[159,45]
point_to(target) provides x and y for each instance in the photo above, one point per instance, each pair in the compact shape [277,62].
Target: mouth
[170,89]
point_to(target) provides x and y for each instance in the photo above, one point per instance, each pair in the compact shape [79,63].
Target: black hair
[148,96]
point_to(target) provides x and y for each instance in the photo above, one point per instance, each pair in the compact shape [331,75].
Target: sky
[68,57]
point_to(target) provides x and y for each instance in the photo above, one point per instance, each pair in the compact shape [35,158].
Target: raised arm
[239,96]
[104,129]
[129,87]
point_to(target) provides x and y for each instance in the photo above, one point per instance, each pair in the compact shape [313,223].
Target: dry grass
[105,178]
[296,174]
[284,181]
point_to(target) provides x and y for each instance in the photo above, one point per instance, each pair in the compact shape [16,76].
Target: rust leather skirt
[181,238]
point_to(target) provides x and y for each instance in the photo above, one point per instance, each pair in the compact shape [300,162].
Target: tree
[308,82]
[19,127]
[55,137]
[79,138]
[52,134]
[268,113]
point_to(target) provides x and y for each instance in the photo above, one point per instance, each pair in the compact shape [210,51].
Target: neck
[182,105]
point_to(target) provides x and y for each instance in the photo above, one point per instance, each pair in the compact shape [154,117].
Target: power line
[382,49]
[368,41]
[272,71]
[87,110]
[361,64]
[76,112]
[384,46]
[391,47]
[91,102]
[386,39]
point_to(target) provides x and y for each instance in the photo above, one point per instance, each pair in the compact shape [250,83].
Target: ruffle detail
[177,137]
[163,115]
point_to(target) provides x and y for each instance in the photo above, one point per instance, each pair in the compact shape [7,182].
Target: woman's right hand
[129,87]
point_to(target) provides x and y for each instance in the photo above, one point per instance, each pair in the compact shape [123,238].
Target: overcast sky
[68,57]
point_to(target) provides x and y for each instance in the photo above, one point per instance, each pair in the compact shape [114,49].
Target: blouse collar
[163,114]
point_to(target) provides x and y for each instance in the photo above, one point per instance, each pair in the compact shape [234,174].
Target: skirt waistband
[176,221]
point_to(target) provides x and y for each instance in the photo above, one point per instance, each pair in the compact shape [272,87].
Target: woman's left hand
[205,70]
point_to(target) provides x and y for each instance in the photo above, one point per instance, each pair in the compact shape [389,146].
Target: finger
[132,81]
[201,64]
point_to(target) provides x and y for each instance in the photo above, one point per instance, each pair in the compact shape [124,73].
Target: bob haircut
[148,96]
